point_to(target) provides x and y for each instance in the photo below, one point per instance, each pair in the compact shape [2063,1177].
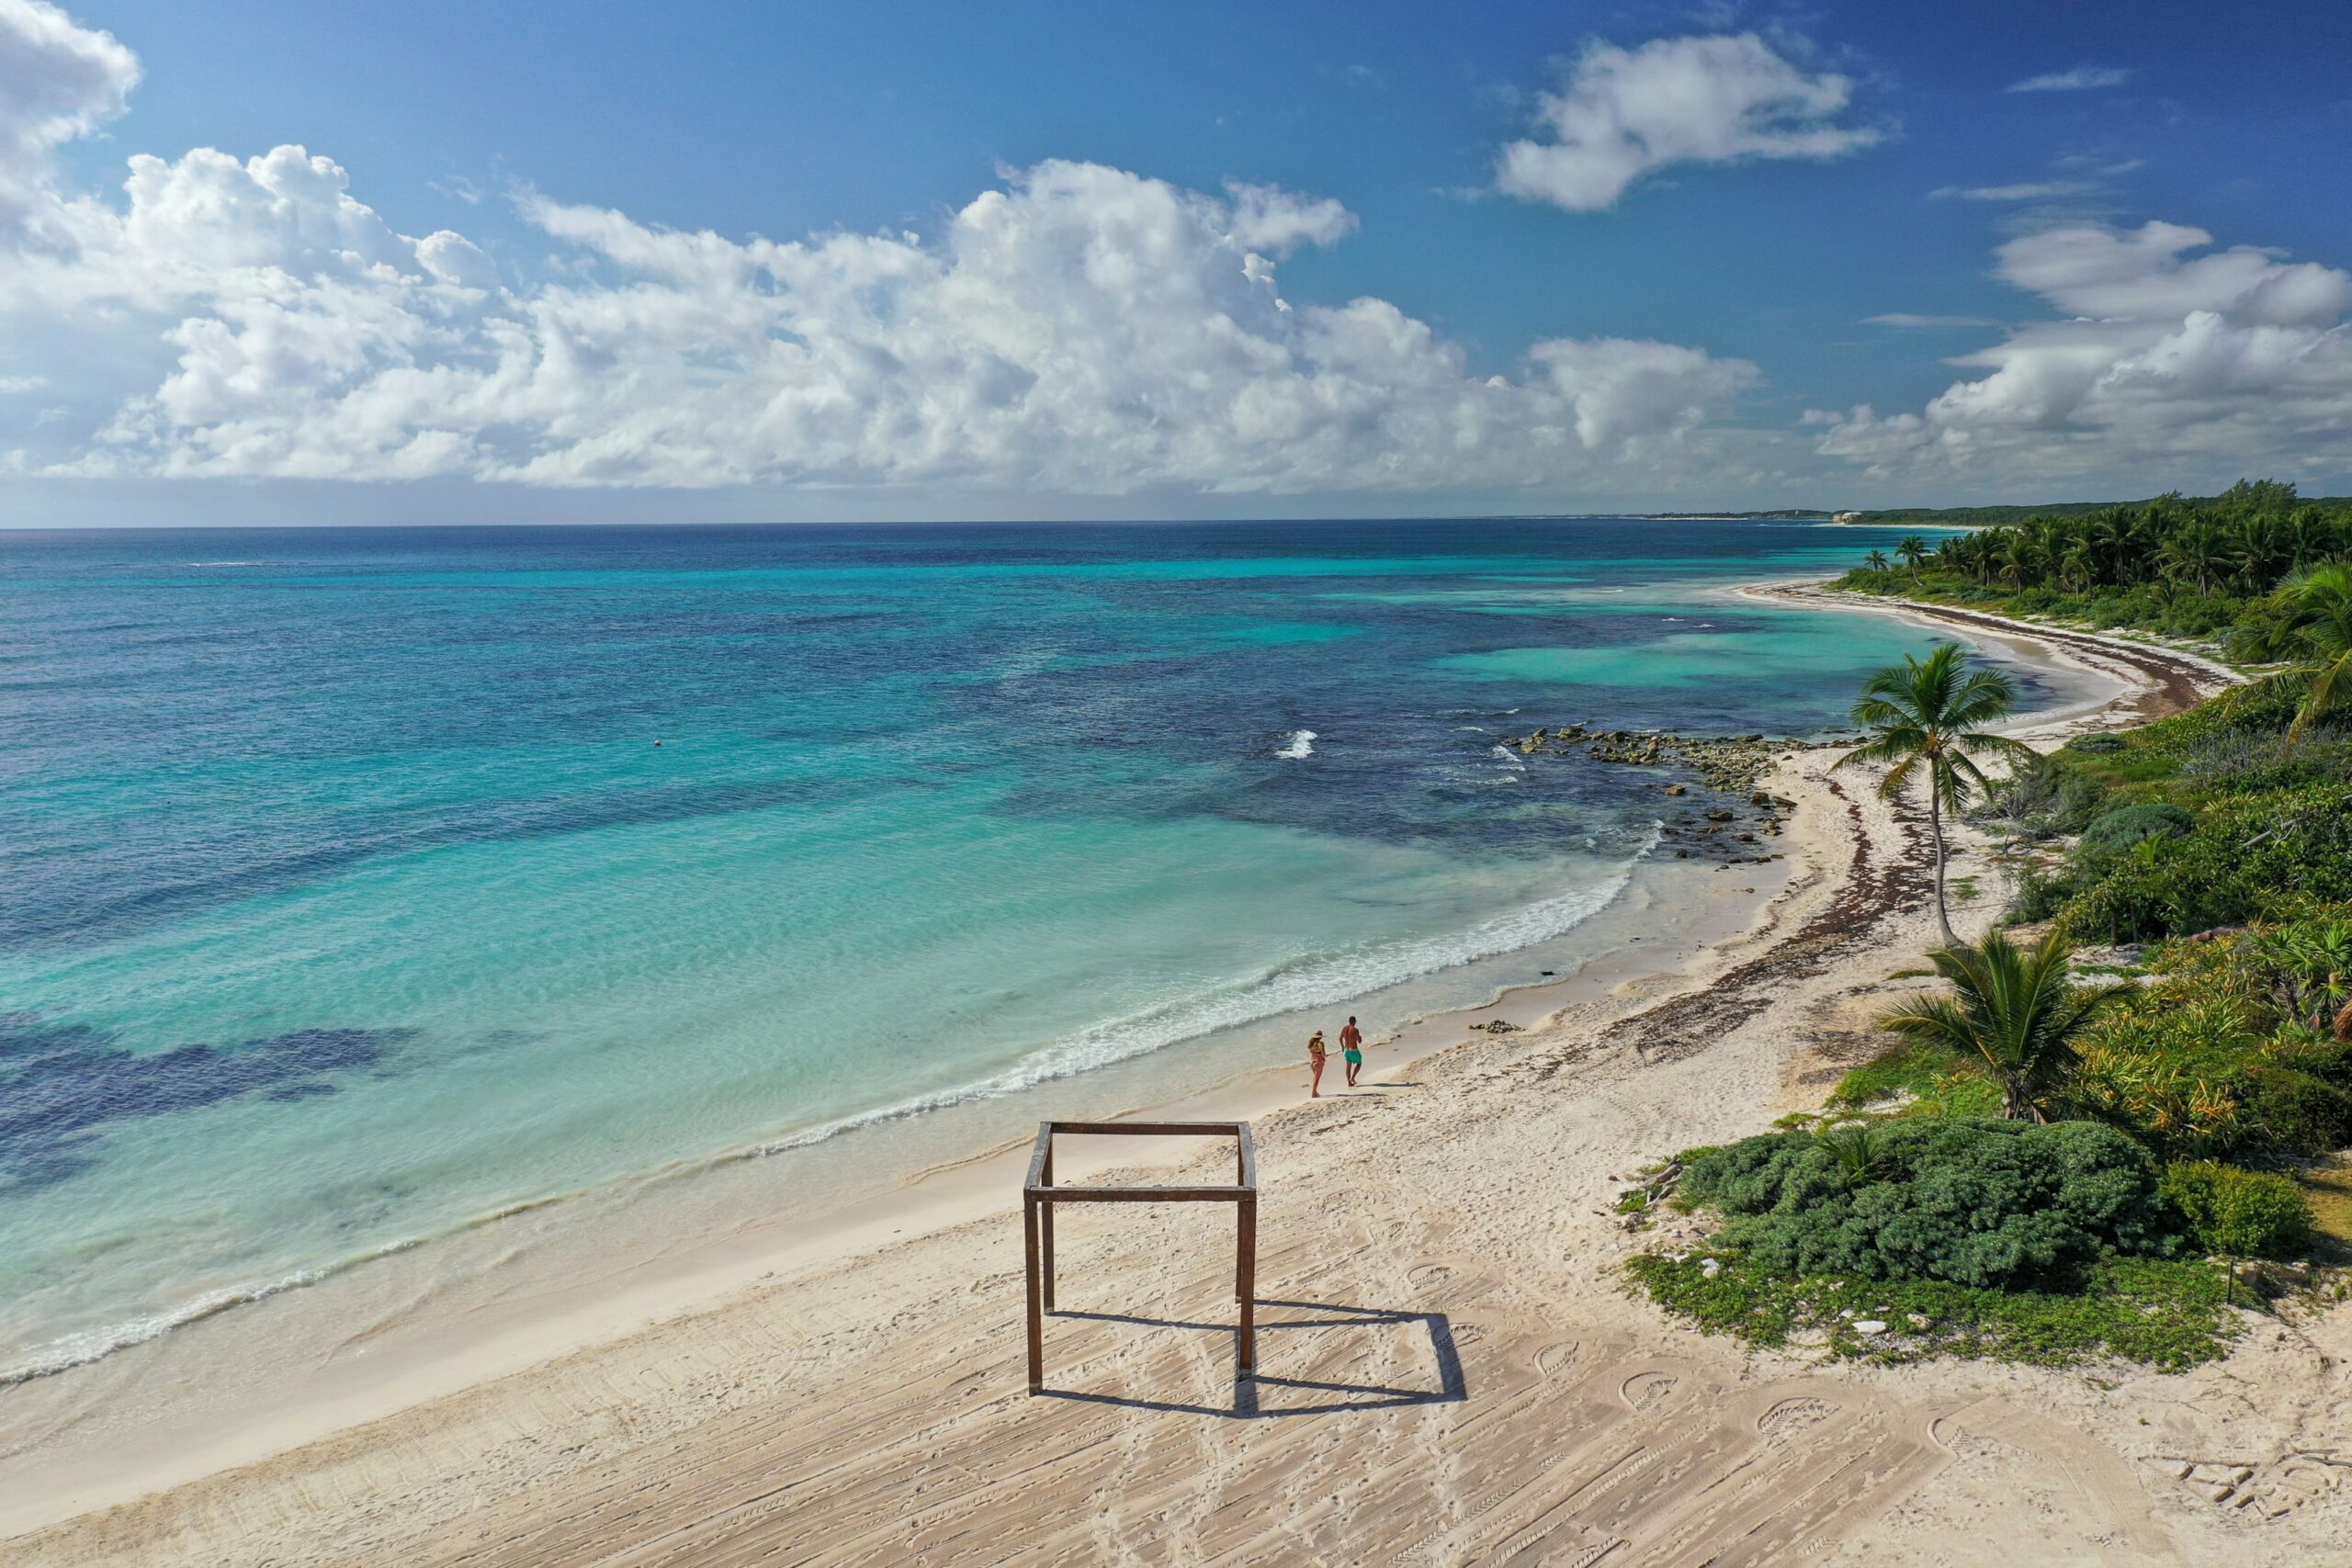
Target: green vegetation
[1912,1076]
[1925,718]
[2113,832]
[2247,568]
[2211,818]
[2165,1313]
[2045,1168]
[1973,516]
[2240,1213]
[2318,602]
[1975,1203]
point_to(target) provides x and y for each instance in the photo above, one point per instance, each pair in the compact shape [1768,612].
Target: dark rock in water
[1676,789]
[1719,816]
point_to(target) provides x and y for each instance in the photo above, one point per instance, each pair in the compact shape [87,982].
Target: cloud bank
[1077,330]
[2235,355]
[1621,114]
[1080,329]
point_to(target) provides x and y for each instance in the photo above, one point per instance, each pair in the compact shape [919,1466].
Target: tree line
[2263,574]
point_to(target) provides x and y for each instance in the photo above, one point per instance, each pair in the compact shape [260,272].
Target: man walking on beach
[1352,1050]
[1316,1051]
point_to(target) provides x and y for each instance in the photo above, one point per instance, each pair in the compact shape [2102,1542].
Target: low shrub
[2103,741]
[2250,857]
[2330,1061]
[2118,830]
[2047,792]
[2299,1112]
[2039,895]
[1975,1203]
[2239,1214]
[1929,1081]
[2166,1314]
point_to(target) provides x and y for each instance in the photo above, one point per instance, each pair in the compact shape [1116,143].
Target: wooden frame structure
[1039,1195]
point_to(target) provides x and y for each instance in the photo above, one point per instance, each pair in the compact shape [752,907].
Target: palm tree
[1877,560]
[2196,550]
[2075,570]
[2321,615]
[1927,716]
[1913,549]
[2015,1010]
[2020,560]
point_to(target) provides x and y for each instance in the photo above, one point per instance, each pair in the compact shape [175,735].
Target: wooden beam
[1138,1194]
[1154,1129]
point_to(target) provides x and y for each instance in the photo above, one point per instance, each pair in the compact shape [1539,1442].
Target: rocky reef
[1731,768]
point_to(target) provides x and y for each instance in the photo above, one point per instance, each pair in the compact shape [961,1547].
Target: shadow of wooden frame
[1250,1395]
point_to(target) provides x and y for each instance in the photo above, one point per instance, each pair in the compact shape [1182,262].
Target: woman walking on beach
[1351,1049]
[1316,1051]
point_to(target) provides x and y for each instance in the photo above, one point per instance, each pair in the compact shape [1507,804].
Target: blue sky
[218,354]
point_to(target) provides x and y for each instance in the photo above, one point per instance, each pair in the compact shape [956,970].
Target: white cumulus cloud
[58,80]
[1079,329]
[2168,349]
[1618,114]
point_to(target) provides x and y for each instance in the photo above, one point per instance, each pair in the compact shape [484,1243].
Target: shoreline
[2175,678]
[1842,883]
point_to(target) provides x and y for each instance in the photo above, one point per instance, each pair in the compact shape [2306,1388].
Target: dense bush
[2047,794]
[2097,744]
[2240,760]
[2239,1214]
[1975,1203]
[2298,1113]
[2116,832]
[2040,895]
[2219,1057]
[2251,856]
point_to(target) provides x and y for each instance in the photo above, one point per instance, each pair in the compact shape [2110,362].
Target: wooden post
[1046,1227]
[1247,1280]
[1036,1313]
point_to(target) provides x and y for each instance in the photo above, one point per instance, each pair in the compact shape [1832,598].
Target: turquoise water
[355,885]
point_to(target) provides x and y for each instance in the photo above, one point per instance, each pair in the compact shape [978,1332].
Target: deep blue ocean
[355,884]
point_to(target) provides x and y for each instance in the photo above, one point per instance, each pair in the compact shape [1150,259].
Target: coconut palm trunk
[1923,716]
[1936,831]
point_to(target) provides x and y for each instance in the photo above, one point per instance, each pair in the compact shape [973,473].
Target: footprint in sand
[1794,1415]
[1643,1390]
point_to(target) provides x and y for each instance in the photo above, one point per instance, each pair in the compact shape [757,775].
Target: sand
[1451,1371]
